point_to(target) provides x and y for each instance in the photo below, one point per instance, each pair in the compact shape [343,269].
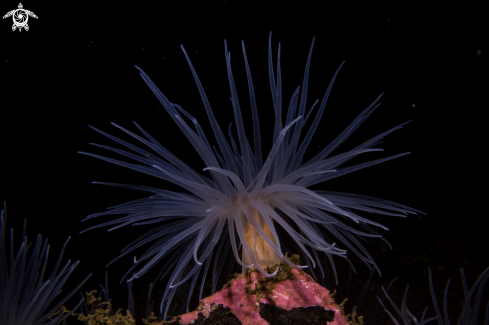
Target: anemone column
[262,252]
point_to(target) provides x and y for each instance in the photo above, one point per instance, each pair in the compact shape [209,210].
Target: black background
[75,67]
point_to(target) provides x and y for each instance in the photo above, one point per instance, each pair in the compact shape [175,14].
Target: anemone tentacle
[26,296]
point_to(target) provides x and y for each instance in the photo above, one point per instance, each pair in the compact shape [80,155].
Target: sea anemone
[468,316]
[242,199]
[25,298]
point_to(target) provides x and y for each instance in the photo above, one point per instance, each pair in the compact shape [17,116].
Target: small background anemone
[474,310]
[424,61]
[29,289]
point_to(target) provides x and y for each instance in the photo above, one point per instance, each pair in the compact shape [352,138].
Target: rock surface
[253,299]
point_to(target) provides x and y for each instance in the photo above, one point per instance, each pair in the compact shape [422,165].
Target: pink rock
[301,291]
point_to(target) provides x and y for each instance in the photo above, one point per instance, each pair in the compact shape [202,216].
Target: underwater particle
[233,211]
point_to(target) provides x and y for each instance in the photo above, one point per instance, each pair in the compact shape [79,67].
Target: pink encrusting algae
[240,297]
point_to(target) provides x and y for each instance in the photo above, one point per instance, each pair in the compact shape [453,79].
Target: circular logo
[20,18]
